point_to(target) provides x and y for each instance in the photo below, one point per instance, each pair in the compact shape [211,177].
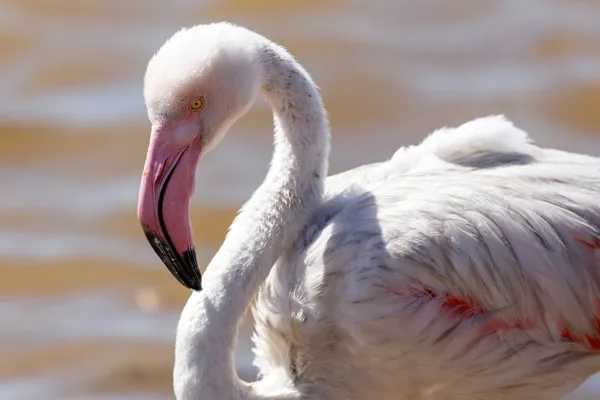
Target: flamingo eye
[197,104]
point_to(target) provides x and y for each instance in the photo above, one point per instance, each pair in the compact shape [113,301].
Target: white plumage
[475,212]
[466,267]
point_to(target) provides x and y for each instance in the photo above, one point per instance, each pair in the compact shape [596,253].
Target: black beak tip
[183,267]
[192,275]
[194,284]
[190,281]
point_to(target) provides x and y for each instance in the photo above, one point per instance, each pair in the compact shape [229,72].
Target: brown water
[86,309]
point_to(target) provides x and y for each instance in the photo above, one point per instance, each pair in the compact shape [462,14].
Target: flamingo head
[198,83]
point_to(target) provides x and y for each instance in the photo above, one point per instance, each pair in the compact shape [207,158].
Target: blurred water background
[87,311]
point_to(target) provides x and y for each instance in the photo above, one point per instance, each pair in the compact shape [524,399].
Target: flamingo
[464,267]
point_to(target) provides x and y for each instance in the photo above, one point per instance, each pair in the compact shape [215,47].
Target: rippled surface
[86,309]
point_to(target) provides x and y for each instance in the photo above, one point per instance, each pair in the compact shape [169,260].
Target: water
[86,309]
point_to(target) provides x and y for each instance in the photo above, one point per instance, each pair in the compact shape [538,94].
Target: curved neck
[267,224]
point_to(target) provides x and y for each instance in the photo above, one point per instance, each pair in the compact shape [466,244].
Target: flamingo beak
[164,201]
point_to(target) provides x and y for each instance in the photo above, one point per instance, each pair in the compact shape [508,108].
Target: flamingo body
[464,267]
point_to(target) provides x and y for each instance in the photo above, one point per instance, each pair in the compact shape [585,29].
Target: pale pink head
[199,82]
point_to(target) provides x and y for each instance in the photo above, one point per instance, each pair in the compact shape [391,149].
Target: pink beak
[164,202]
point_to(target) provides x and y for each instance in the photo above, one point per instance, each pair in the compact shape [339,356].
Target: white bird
[466,267]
